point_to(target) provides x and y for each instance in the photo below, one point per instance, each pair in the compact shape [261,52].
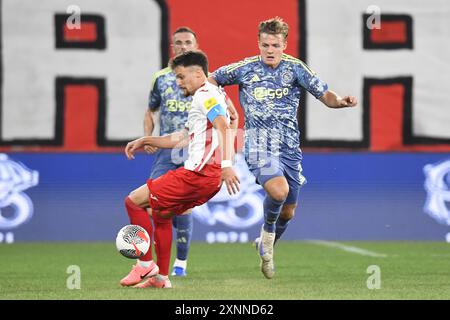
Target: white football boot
[264,245]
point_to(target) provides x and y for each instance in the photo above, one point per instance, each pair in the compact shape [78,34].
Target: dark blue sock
[281,226]
[272,209]
[174,222]
[184,226]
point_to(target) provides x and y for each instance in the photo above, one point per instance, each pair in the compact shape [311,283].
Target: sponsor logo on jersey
[261,93]
[175,105]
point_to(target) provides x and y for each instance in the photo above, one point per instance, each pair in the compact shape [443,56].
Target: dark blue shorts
[286,165]
[166,160]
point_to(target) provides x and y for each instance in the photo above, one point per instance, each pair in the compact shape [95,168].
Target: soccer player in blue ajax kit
[269,92]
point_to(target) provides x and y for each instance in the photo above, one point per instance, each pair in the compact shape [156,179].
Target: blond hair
[274,26]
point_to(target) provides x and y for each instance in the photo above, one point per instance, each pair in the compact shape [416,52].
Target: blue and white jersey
[167,96]
[270,98]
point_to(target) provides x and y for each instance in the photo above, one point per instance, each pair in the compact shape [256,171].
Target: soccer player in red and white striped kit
[209,133]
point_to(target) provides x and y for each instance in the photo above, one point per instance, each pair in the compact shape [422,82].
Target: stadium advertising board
[79,197]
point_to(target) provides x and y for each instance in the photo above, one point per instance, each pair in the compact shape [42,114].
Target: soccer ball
[132,241]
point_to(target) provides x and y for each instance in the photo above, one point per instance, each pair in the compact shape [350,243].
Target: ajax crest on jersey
[132,241]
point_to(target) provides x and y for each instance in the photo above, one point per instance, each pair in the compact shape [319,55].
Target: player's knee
[277,189]
[132,196]
[162,219]
[279,195]
[129,200]
[139,197]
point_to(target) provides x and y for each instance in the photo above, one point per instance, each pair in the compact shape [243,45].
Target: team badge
[211,102]
[287,77]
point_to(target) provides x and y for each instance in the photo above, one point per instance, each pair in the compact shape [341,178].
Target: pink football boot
[138,273]
[157,281]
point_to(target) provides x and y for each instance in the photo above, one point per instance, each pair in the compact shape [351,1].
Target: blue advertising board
[349,196]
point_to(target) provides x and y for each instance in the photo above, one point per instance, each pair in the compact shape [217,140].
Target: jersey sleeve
[229,74]
[308,79]
[154,99]
[211,107]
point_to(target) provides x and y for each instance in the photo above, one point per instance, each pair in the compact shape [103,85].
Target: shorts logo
[211,102]
[437,185]
[301,177]
[153,197]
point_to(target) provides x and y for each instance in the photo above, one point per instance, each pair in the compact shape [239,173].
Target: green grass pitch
[304,270]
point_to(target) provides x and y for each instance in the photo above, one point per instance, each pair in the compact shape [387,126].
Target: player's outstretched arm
[333,100]
[175,140]
[234,117]
[149,124]
[226,144]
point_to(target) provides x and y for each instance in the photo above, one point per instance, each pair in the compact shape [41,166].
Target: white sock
[180,263]
[145,264]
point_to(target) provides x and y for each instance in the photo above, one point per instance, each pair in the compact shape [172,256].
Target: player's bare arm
[178,139]
[234,121]
[234,116]
[332,100]
[149,125]
[226,144]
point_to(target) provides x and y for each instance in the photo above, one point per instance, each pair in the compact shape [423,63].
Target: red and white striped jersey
[203,137]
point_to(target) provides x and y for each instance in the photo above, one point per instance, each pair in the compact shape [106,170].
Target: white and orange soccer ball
[132,241]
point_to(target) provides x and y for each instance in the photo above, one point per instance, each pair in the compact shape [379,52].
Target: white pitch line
[348,248]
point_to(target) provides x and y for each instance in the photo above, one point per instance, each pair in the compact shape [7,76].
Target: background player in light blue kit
[269,92]
[173,106]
